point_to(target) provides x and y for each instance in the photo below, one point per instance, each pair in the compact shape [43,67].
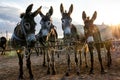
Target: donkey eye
[27,25]
[63,21]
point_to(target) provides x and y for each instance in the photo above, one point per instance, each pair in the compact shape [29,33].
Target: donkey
[24,38]
[71,36]
[93,38]
[3,42]
[47,36]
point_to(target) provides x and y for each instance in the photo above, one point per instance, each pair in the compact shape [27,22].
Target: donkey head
[28,25]
[66,19]
[46,23]
[88,23]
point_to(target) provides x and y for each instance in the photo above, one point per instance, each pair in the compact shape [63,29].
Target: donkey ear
[70,9]
[51,11]
[21,15]
[36,12]
[94,16]
[29,8]
[84,16]
[41,14]
[61,8]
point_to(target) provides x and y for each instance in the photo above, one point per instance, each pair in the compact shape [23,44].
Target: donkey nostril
[48,23]
[33,41]
[68,35]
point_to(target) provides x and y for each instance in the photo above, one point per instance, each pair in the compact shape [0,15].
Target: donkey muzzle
[31,40]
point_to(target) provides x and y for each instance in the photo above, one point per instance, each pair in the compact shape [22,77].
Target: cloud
[9,17]
[7,26]
[9,13]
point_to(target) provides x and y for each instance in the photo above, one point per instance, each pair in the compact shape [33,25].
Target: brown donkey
[93,38]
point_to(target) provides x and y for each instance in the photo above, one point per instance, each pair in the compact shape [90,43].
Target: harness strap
[23,28]
[16,37]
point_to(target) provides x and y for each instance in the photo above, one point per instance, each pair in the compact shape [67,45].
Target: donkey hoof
[31,78]
[86,66]
[48,72]
[20,78]
[91,72]
[44,65]
[108,65]
[67,74]
[103,72]
[78,73]
[54,73]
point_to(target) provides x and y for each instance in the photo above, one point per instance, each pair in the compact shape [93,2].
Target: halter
[16,37]
[23,29]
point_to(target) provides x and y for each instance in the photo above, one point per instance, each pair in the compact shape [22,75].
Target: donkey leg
[76,61]
[28,64]
[85,59]
[92,62]
[80,59]
[44,60]
[41,51]
[37,51]
[68,61]
[2,51]
[90,45]
[109,57]
[29,67]
[48,61]
[20,56]
[99,57]
[53,63]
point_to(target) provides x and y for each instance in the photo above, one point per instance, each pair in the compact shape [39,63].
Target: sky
[107,12]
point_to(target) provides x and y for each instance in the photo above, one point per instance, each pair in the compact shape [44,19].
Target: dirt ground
[9,68]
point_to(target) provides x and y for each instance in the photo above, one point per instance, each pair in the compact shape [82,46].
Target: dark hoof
[91,72]
[58,56]
[108,65]
[86,66]
[48,72]
[44,65]
[32,79]
[20,78]
[81,64]
[54,73]
[103,72]
[78,73]
[67,74]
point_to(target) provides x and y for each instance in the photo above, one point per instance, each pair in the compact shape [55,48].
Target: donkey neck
[18,34]
[96,34]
